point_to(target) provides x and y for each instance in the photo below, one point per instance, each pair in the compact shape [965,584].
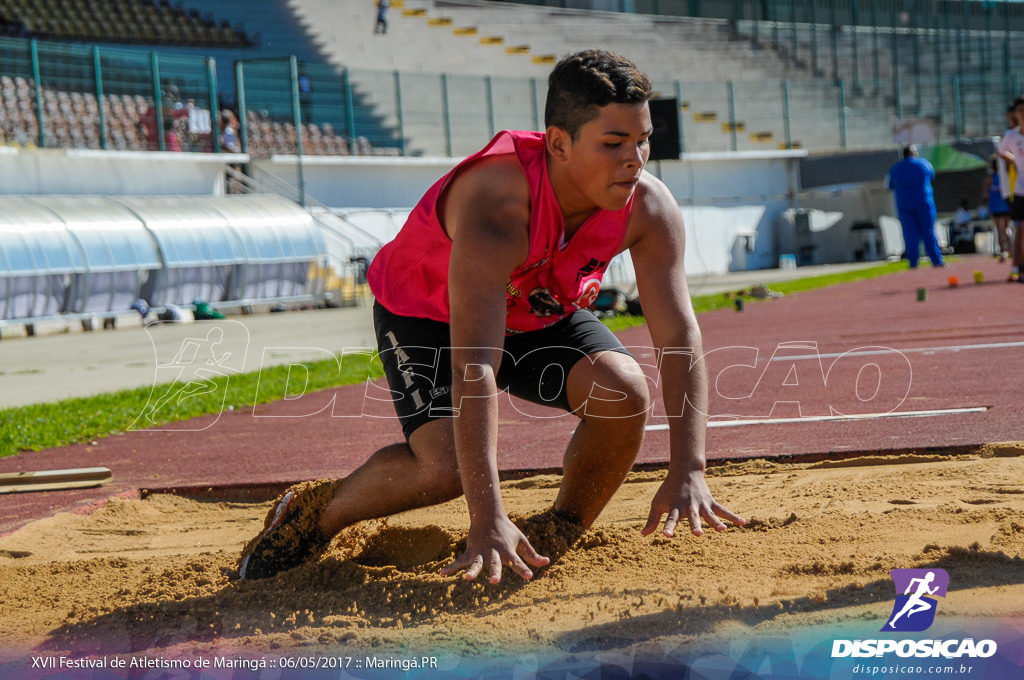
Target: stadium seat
[117,21]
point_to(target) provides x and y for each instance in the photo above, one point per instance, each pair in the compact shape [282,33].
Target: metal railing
[57,95]
[919,14]
[344,276]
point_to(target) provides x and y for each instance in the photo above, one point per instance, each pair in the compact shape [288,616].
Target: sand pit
[155,575]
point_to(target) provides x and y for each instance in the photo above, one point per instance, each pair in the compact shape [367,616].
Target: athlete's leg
[303,519]
[398,478]
[423,470]
[609,393]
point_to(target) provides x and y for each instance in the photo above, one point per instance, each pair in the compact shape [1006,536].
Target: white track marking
[836,418]
[890,350]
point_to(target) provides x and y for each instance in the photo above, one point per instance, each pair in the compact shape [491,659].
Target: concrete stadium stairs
[467,38]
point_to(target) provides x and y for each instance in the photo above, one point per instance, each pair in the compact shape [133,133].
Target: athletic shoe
[1013,277]
[291,534]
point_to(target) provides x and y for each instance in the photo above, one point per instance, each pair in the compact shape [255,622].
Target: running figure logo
[914,610]
[189,361]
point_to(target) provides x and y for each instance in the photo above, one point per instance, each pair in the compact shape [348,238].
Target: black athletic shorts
[417,362]
[1017,208]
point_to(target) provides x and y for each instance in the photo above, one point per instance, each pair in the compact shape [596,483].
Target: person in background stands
[230,143]
[382,16]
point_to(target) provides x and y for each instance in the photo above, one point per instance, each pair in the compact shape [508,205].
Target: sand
[156,574]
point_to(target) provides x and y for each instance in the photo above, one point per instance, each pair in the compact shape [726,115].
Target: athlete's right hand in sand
[687,497]
[496,542]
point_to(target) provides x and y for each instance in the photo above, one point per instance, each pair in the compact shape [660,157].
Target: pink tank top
[409,276]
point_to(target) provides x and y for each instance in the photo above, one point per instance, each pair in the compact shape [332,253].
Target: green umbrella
[944,158]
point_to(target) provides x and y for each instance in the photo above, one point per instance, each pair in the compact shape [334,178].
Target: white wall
[730,202]
[357,181]
[723,179]
[111,173]
[835,209]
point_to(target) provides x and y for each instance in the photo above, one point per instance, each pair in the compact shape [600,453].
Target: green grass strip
[707,303]
[84,419]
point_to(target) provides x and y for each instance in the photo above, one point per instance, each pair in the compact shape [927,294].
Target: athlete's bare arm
[486,212]
[1004,151]
[656,240]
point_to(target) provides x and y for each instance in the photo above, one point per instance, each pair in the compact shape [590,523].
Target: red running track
[865,348]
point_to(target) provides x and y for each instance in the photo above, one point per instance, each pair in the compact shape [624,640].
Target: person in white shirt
[1011,150]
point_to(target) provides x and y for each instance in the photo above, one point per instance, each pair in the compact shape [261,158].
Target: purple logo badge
[915,605]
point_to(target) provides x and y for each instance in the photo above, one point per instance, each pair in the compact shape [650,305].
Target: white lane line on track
[836,418]
[890,350]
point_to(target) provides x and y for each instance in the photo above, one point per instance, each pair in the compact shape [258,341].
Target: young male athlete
[485,289]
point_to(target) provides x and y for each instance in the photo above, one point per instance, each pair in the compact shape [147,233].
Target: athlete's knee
[616,389]
[631,403]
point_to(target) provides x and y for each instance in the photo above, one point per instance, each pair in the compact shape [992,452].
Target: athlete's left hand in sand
[686,495]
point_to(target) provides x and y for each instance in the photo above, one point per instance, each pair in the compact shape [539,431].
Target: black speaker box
[665,138]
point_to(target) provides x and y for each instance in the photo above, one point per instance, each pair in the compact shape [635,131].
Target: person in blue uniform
[911,180]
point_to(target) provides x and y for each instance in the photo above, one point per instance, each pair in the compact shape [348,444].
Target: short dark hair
[909,150]
[583,82]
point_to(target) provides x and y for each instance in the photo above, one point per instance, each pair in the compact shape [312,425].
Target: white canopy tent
[40,261]
[89,255]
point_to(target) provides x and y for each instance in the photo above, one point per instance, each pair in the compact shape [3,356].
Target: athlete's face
[605,160]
